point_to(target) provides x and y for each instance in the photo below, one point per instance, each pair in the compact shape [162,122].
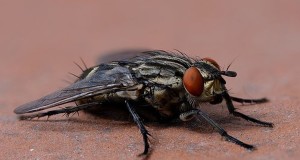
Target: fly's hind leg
[231,109]
[67,111]
[138,121]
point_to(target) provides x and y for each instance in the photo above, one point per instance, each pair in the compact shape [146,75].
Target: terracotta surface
[40,40]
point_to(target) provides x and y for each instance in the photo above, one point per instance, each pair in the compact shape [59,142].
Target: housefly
[172,85]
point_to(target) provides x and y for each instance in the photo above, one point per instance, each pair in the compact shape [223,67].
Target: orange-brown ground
[40,40]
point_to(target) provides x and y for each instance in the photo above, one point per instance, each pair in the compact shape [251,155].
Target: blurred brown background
[39,40]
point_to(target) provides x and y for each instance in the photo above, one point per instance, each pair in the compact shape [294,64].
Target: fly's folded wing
[102,79]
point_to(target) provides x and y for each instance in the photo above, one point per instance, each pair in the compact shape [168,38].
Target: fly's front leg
[67,111]
[231,109]
[138,121]
[251,101]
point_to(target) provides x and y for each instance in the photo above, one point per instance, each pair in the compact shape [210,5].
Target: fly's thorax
[166,100]
[164,90]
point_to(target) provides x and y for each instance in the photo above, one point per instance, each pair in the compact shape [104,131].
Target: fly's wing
[102,79]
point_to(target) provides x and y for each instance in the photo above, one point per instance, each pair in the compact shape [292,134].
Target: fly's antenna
[231,63]
[229,73]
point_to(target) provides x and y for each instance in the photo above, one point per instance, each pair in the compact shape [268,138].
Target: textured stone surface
[40,40]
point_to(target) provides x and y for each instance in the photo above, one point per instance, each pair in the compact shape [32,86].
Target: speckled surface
[40,40]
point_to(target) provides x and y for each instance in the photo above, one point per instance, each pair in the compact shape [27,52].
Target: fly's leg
[67,111]
[222,132]
[231,109]
[187,116]
[138,121]
[251,101]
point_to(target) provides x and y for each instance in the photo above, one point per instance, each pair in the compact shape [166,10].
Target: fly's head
[203,81]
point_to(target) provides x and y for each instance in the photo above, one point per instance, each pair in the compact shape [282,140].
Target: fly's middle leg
[222,132]
[140,124]
[197,112]
[187,116]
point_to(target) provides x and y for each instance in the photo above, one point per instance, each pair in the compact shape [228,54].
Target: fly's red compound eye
[211,61]
[193,81]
